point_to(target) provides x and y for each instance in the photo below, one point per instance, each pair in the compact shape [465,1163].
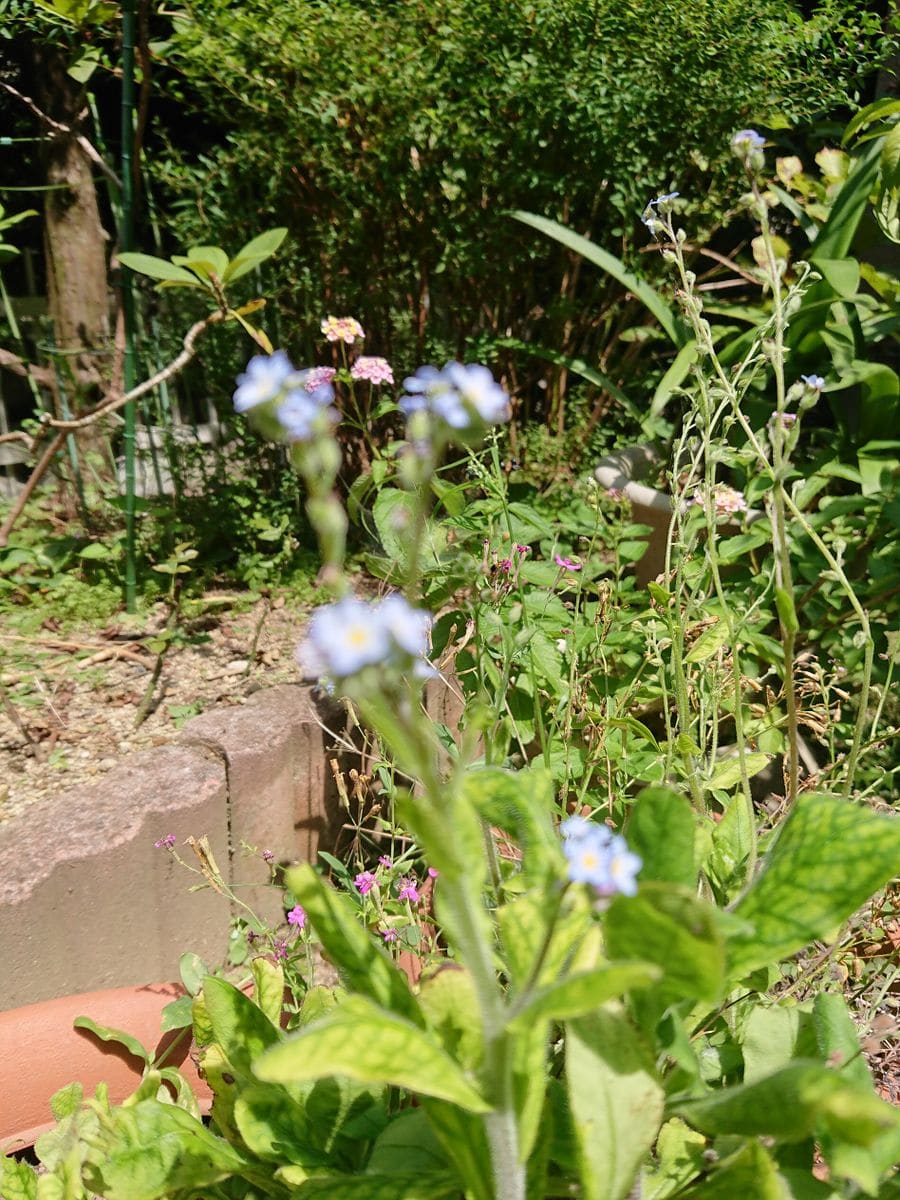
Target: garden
[508,396]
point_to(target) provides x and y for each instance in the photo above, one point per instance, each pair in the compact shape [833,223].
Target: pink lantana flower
[375,370]
[342,329]
[318,377]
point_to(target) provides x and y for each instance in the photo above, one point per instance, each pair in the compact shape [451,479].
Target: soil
[70,701]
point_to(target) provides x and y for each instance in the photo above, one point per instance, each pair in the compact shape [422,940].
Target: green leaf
[750,1174]
[836,236]
[674,377]
[791,1105]
[193,970]
[675,930]
[613,266]
[394,513]
[727,771]
[178,1014]
[364,966]
[416,1186]
[152,1150]
[615,1100]
[239,1026]
[462,1136]
[840,273]
[828,859]
[773,1035]
[157,268]
[276,1128]
[450,1006]
[105,1034]
[661,830]
[371,1045]
[679,1159]
[269,993]
[257,250]
[710,641]
[582,993]
[407,1144]
[66,1101]
[18,1180]
[887,106]
[520,804]
[212,257]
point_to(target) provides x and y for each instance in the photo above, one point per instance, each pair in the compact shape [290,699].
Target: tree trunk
[74,240]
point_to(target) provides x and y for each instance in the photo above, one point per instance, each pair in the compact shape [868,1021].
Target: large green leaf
[613,266]
[584,992]
[836,236]
[828,859]
[365,966]
[520,804]
[367,1043]
[153,1150]
[772,1036]
[239,1026]
[676,931]
[18,1180]
[661,830]
[157,268]
[791,1105]
[615,1100]
[462,1136]
[413,1186]
[679,1159]
[106,1034]
[275,1127]
[407,1144]
[257,250]
[749,1174]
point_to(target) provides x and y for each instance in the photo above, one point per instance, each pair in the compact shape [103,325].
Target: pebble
[237,667]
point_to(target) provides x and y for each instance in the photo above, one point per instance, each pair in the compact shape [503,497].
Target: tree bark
[74,238]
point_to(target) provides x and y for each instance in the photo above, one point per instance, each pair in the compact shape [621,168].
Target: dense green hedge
[391,136]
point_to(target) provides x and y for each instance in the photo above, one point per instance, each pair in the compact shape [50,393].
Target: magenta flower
[375,370]
[433,873]
[409,891]
[385,862]
[297,916]
[520,549]
[567,564]
[342,329]
[505,564]
[390,935]
[364,882]
[165,843]
[280,950]
[318,377]
[268,856]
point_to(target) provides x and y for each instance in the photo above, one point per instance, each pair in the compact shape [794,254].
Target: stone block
[88,902]
[281,792]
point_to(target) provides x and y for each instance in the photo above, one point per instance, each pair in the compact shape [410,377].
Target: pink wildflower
[409,891]
[280,950]
[385,862]
[342,329]
[505,564]
[297,916]
[520,549]
[165,843]
[364,882]
[567,564]
[433,873]
[375,370]
[390,935]
[318,377]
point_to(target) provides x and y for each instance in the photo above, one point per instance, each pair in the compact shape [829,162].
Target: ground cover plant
[618,996]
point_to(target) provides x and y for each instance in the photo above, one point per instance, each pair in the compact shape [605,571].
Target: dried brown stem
[89,149]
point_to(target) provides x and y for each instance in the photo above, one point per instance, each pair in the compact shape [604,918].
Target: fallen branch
[89,149]
[104,409]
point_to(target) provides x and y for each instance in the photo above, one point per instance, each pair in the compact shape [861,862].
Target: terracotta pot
[41,1052]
